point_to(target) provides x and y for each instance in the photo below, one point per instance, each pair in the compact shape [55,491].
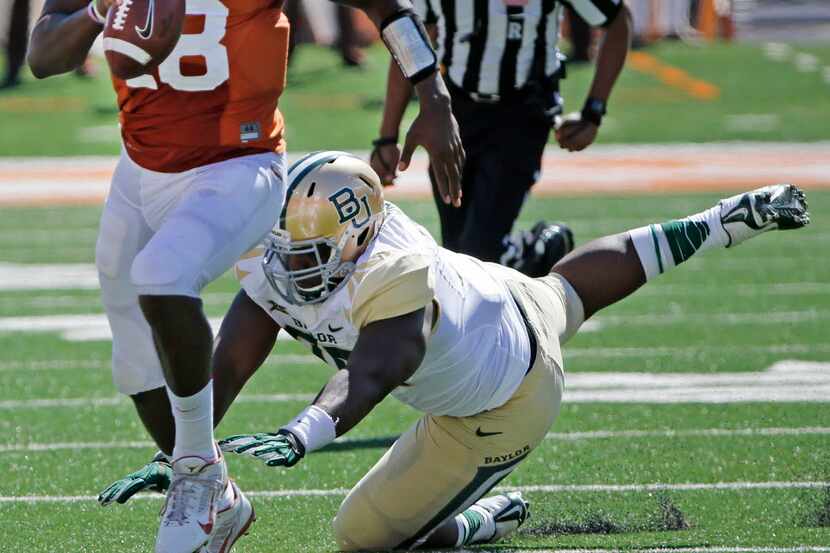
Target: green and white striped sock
[664,246]
[475,525]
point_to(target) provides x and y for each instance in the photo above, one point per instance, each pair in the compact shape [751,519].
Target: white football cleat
[777,207]
[189,512]
[231,522]
[509,511]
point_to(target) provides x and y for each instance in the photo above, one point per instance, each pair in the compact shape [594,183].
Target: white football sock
[194,424]
[664,246]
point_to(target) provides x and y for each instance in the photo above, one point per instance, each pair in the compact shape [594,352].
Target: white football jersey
[479,350]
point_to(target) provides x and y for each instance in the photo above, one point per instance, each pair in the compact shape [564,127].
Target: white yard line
[95,327]
[708,549]
[563,436]
[788,380]
[86,364]
[758,318]
[691,433]
[542,488]
[48,403]
[737,289]
[691,351]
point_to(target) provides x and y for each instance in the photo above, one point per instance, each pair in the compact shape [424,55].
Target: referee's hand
[575,135]
[436,129]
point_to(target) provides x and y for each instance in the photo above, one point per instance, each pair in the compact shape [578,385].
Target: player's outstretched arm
[387,353]
[435,127]
[63,35]
[244,341]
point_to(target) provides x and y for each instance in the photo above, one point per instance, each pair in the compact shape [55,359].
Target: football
[140,34]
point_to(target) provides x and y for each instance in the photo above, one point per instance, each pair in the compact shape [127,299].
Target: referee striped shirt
[493,47]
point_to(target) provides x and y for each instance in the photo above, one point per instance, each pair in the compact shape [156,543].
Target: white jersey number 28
[205,45]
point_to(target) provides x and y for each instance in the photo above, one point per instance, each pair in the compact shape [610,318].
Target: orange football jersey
[215,97]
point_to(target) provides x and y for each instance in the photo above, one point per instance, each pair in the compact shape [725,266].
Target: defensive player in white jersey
[475,346]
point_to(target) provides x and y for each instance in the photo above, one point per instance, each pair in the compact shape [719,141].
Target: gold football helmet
[333,208]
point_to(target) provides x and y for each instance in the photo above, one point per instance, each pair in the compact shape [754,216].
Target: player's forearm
[398,92]
[611,56]
[348,398]
[61,42]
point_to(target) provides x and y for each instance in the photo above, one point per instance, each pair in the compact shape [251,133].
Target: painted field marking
[75,276]
[643,168]
[543,488]
[673,77]
[35,447]
[752,122]
[95,327]
[784,381]
[707,549]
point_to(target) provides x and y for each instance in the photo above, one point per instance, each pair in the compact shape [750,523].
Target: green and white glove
[280,449]
[154,476]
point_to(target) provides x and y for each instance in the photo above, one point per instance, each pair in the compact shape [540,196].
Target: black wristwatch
[593,111]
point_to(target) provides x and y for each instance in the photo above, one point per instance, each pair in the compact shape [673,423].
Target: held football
[140,34]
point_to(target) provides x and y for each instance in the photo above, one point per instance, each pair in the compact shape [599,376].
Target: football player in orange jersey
[200,181]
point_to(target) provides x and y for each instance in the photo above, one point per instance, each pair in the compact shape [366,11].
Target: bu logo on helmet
[349,207]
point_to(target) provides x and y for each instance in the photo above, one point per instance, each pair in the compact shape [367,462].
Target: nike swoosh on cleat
[147,31]
[485,434]
[515,509]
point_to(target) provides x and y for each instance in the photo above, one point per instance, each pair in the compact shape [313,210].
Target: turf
[756,100]
[716,314]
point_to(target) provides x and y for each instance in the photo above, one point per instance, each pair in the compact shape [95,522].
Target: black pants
[18,38]
[504,144]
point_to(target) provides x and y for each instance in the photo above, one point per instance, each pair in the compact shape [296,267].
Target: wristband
[593,111]
[405,37]
[313,428]
[385,141]
[92,12]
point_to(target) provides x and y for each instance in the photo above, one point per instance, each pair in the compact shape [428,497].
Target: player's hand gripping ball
[140,34]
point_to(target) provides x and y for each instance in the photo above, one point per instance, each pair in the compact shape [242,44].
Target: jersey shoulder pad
[390,284]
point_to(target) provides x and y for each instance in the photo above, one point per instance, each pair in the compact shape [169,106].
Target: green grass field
[730,312]
[748,477]
[328,107]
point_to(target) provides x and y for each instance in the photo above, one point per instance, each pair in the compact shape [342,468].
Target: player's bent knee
[160,271]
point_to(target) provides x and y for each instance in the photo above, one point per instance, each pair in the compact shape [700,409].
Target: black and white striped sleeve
[596,12]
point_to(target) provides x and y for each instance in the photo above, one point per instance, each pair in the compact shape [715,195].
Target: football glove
[154,476]
[280,449]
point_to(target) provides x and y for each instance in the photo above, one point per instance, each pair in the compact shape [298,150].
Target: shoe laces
[186,495]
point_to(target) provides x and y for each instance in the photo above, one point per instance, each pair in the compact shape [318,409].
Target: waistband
[531,334]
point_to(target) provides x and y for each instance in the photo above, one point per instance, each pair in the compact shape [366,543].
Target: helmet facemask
[305,271]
